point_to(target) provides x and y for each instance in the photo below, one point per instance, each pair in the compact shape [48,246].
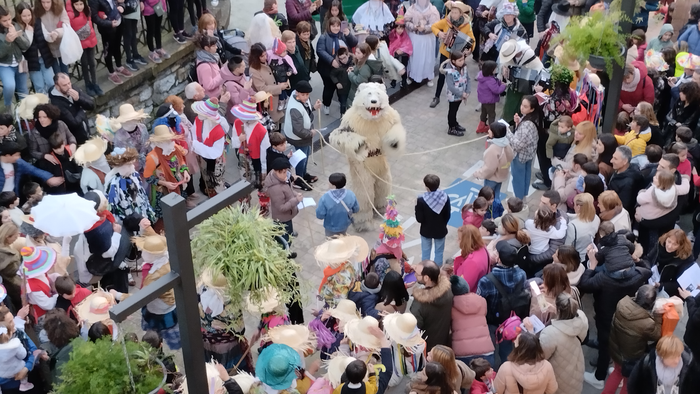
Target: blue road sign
[461,194]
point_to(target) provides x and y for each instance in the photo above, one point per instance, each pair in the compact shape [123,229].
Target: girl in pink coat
[400,46]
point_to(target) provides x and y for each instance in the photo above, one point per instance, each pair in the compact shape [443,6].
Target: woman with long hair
[458,374]
[473,261]
[510,231]
[366,65]
[611,210]
[263,79]
[524,143]
[432,380]
[583,226]
[568,256]
[605,147]
[526,368]
[555,281]
[38,55]
[593,185]
[53,15]
[647,110]
[208,65]
[544,228]
[327,49]
[584,142]
[393,297]
[674,258]
[13,41]
[9,264]
[335,10]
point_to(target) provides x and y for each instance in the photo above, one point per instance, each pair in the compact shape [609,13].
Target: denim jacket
[335,217]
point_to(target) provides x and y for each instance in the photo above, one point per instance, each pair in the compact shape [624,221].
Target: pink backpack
[509,329]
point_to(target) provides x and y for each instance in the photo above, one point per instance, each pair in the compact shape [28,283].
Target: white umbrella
[64,215]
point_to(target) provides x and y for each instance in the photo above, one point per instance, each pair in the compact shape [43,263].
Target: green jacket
[14,48]
[302,72]
[527,11]
[363,74]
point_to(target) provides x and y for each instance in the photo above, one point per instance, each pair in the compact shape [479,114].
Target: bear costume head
[371,100]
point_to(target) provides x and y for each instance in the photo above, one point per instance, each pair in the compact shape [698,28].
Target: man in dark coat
[433,212]
[73,103]
[432,304]
[626,181]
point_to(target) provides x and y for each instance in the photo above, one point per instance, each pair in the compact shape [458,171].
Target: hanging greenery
[241,245]
[101,367]
[561,74]
[596,37]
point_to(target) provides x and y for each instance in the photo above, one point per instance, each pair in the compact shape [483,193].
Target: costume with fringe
[126,196]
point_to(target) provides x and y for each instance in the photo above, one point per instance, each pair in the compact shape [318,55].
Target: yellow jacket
[637,143]
[370,386]
[443,26]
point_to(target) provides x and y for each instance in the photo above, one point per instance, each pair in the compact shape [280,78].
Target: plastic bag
[71,49]
[669,320]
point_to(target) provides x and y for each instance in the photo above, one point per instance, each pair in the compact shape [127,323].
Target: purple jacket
[489,89]
[297,12]
[149,4]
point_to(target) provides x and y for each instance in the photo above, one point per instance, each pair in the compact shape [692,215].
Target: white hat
[339,250]
[508,51]
[297,336]
[402,328]
[358,331]
[268,304]
[336,367]
[345,311]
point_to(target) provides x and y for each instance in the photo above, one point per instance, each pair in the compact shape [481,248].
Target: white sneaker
[589,377]
[326,110]
[214,3]
[430,83]
[409,81]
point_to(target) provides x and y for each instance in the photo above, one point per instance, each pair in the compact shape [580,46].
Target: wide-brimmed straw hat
[245,381]
[261,96]
[162,133]
[268,304]
[571,64]
[339,250]
[508,51]
[345,311]
[402,328]
[95,307]
[154,244]
[127,113]
[207,108]
[459,5]
[37,261]
[246,110]
[276,366]
[90,151]
[25,110]
[121,156]
[358,331]
[336,367]
[297,336]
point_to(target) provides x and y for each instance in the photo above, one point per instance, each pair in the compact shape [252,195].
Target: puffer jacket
[235,84]
[13,50]
[633,327]
[636,142]
[535,378]
[283,200]
[456,81]
[78,22]
[561,342]
[655,203]
[366,299]
[496,163]
[470,333]
[691,35]
[644,91]
[363,74]
[615,252]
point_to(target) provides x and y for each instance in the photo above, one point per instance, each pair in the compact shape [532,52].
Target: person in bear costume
[369,130]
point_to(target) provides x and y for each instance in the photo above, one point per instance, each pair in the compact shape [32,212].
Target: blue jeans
[504,348]
[42,80]
[301,166]
[426,245]
[12,81]
[491,358]
[496,186]
[59,67]
[522,172]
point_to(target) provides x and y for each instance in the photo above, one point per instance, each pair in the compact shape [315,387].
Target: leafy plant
[561,74]
[241,245]
[597,34]
[100,367]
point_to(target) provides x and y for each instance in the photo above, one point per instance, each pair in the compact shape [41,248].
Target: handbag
[348,211]
[130,6]
[23,66]
[84,32]
[71,49]
[158,8]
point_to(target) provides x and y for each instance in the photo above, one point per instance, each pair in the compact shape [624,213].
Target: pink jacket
[473,267]
[655,203]
[209,76]
[400,42]
[235,84]
[469,217]
[470,333]
[496,163]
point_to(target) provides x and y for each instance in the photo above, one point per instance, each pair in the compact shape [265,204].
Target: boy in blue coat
[337,206]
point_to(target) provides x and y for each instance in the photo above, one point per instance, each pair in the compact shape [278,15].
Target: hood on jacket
[576,327]
[645,131]
[666,28]
[272,180]
[434,294]
[665,198]
[447,66]
[529,375]
[11,344]
[470,304]
[575,276]
[629,310]
[228,75]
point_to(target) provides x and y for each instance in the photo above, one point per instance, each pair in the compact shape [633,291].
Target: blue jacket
[324,49]
[365,300]
[335,217]
[23,168]
[10,383]
[691,35]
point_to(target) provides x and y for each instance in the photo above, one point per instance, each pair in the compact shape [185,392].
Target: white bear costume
[369,130]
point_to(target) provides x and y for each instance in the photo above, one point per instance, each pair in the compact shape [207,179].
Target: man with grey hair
[627,180]
[193,92]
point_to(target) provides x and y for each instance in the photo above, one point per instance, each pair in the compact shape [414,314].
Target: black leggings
[328,89]
[441,78]
[452,113]
[131,42]
[403,58]
[176,13]
[200,5]
[153,23]
[87,65]
[112,44]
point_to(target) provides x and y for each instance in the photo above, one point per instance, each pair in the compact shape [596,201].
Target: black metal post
[615,87]
[181,278]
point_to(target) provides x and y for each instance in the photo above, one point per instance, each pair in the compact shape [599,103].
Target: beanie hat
[278,47]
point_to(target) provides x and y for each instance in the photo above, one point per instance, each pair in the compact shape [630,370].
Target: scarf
[500,142]
[46,132]
[336,43]
[338,195]
[206,57]
[609,215]
[170,172]
[632,86]
[667,377]
[436,200]
[306,49]
[456,24]
[11,136]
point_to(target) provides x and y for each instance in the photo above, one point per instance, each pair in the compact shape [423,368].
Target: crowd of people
[505,315]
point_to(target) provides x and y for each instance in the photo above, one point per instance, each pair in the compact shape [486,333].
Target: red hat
[278,47]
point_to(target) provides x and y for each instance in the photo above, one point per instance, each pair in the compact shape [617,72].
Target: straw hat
[261,96]
[162,133]
[245,381]
[297,336]
[345,311]
[37,261]
[358,331]
[339,250]
[154,244]
[127,113]
[459,5]
[508,51]
[25,110]
[121,156]
[95,307]
[271,301]
[208,109]
[571,64]
[402,328]
[276,366]
[246,110]
[336,367]
[90,151]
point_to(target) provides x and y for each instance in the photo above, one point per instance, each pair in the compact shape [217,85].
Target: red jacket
[479,387]
[77,22]
[643,92]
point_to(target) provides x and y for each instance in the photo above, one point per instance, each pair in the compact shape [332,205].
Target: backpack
[509,329]
[517,302]
[192,75]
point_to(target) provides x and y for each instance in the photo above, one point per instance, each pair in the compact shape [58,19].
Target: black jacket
[340,75]
[682,115]
[608,291]
[270,158]
[303,73]
[544,14]
[692,328]
[644,380]
[432,225]
[58,170]
[38,44]
[671,268]
[615,252]
[103,25]
[627,185]
[73,113]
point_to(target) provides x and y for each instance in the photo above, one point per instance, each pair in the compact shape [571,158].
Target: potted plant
[243,246]
[101,367]
[596,38]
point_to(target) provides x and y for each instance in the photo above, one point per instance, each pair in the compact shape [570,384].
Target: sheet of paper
[655,276]
[691,279]
[306,202]
[537,324]
[297,157]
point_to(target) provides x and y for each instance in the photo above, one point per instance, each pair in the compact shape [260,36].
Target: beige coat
[496,163]
[534,379]
[561,342]
[565,185]
[50,22]
[264,81]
